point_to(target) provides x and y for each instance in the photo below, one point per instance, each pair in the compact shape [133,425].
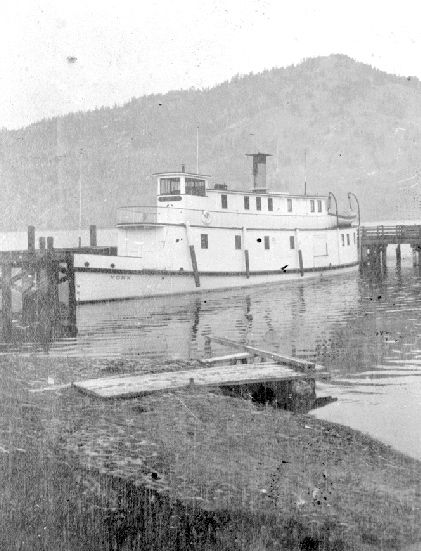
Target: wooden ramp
[296,363]
[130,386]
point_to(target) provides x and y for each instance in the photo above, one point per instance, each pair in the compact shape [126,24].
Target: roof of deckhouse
[181,174]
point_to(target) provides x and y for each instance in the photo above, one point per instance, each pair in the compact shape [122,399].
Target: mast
[197,149]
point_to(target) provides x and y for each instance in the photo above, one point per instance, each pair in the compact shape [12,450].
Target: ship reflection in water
[366,331]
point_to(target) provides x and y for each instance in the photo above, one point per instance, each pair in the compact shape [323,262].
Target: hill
[360,127]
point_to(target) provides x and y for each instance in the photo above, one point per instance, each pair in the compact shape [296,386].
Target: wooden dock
[43,283]
[130,386]
[375,240]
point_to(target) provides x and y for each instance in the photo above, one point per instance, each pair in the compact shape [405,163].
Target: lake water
[365,330]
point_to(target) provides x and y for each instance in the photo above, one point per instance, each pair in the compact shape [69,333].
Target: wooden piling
[383,256]
[72,292]
[300,262]
[192,256]
[247,258]
[41,243]
[194,265]
[92,236]
[31,239]
[53,269]
[6,308]
[50,242]
[398,255]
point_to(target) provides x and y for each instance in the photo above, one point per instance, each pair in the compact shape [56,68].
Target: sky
[58,56]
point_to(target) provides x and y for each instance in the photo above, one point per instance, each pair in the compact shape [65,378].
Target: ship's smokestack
[259,170]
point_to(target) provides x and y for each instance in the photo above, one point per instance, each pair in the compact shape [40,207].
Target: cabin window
[267,242]
[289,205]
[312,209]
[224,201]
[204,241]
[354,238]
[291,242]
[246,202]
[348,240]
[258,203]
[270,203]
[319,206]
[343,239]
[194,186]
[169,186]
[238,241]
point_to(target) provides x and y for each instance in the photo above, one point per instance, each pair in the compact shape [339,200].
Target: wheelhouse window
[289,205]
[258,203]
[354,238]
[319,205]
[204,241]
[224,201]
[291,242]
[312,209]
[238,241]
[270,203]
[343,239]
[246,202]
[348,240]
[169,186]
[194,186]
[267,242]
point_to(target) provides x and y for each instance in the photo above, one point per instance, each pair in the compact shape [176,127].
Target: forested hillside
[360,128]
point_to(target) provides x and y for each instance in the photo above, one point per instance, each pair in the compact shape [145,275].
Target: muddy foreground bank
[188,470]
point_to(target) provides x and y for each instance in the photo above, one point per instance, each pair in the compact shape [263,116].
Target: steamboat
[200,237]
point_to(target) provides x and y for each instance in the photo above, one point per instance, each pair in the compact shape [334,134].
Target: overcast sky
[58,56]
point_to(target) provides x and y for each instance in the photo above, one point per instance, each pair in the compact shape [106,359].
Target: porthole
[86,264]
[112,265]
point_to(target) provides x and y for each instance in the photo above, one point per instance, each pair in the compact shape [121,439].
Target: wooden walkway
[391,235]
[375,240]
[130,386]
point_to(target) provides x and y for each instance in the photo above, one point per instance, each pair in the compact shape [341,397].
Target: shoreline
[223,471]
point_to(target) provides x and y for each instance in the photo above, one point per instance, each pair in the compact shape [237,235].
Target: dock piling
[398,255]
[92,235]
[300,262]
[6,308]
[31,239]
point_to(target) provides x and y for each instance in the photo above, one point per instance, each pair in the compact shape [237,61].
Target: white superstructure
[202,237]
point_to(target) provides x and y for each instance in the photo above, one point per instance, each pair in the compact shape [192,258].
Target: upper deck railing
[389,235]
[137,215]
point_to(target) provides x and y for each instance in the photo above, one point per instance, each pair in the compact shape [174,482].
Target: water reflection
[365,329]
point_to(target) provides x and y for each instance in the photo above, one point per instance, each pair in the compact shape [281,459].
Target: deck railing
[391,234]
[137,215]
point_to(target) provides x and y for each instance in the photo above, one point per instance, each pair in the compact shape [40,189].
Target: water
[366,331]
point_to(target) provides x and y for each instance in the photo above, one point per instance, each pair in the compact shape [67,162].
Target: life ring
[206,217]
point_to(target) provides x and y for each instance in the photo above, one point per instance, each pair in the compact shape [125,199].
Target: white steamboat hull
[103,284]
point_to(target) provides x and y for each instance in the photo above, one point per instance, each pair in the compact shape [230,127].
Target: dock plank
[227,358]
[130,386]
